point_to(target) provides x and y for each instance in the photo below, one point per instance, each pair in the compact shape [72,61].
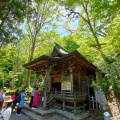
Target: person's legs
[14,104]
[31,101]
[18,110]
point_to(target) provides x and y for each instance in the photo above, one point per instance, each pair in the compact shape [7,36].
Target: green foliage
[98,25]
[101,83]
[11,18]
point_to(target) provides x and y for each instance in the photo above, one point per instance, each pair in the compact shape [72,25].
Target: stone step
[40,113]
[32,115]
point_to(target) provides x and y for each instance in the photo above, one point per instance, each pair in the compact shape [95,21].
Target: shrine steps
[40,113]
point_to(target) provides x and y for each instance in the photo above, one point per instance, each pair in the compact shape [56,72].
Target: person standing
[15,98]
[32,96]
[2,94]
[35,99]
[21,104]
[7,107]
[1,104]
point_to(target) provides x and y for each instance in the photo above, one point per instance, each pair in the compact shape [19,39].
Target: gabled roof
[58,51]
[46,59]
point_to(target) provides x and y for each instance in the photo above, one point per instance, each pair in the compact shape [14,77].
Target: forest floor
[114,106]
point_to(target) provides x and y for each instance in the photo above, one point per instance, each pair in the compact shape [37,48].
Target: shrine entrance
[56,83]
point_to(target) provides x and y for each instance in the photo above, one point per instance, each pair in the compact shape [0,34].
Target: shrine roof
[58,51]
[51,59]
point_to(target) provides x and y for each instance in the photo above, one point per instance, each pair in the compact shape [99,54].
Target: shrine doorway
[56,86]
[56,83]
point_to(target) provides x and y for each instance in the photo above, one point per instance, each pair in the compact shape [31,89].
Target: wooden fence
[74,100]
[93,104]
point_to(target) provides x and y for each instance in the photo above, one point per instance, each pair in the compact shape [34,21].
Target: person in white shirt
[32,96]
[6,111]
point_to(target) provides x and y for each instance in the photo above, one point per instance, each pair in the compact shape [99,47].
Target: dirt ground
[114,106]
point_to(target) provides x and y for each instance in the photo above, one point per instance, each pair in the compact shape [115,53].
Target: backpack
[19,98]
[13,96]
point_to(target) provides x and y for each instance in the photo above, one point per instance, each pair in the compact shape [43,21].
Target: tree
[41,20]
[93,18]
[12,14]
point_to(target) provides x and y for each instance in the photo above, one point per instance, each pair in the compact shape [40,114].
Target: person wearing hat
[1,104]
[6,111]
[2,94]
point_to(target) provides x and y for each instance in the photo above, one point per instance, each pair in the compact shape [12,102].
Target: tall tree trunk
[92,29]
[27,82]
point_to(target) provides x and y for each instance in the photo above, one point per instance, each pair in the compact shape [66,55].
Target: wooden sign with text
[66,85]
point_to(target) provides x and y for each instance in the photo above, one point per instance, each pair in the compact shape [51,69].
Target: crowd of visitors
[8,103]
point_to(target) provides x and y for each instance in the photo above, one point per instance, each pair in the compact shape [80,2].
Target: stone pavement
[51,114]
[22,117]
[41,114]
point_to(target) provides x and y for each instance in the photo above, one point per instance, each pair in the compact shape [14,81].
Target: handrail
[69,94]
[72,93]
[64,96]
[50,97]
[51,93]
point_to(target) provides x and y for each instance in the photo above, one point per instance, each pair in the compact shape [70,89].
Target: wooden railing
[71,97]
[50,97]
[68,97]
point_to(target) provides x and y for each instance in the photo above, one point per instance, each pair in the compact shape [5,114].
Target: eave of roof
[53,59]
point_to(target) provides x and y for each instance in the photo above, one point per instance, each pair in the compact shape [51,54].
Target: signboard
[66,85]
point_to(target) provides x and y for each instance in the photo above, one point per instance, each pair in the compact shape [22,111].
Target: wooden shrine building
[67,78]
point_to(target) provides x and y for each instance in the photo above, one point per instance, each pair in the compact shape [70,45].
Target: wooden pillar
[71,78]
[47,76]
[36,79]
[45,99]
[75,102]
[49,84]
[62,78]
[79,83]
[64,101]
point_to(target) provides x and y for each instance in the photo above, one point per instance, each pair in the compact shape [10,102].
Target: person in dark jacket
[15,100]
[21,103]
